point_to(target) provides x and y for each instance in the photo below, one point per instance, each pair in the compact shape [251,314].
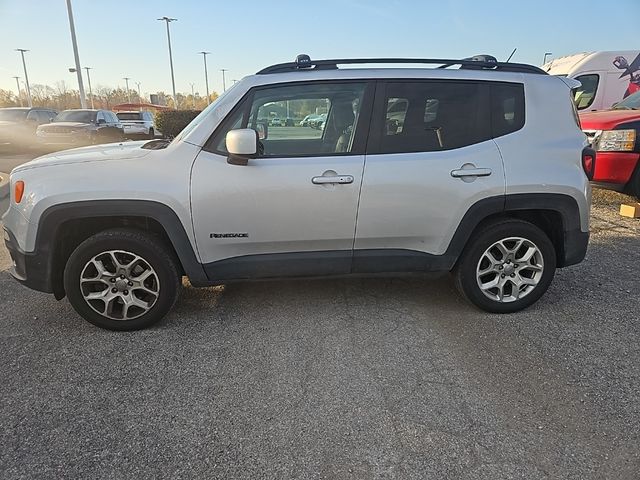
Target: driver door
[292,210]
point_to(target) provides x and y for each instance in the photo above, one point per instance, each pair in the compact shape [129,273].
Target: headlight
[616,141]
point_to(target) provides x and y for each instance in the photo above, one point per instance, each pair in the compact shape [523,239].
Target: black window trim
[362,128]
[379,111]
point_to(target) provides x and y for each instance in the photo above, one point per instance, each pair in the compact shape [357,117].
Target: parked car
[81,127]
[305,121]
[18,125]
[468,187]
[137,124]
[318,121]
[606,77]
[615,136]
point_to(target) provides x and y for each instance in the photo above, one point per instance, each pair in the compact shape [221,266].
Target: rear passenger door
[430,157]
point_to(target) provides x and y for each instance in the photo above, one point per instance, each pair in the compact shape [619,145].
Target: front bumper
[30,269]
[615,167]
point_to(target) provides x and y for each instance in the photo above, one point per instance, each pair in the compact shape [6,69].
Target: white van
[606,77]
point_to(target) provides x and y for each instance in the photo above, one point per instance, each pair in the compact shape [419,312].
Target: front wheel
[121,280]
[506,267]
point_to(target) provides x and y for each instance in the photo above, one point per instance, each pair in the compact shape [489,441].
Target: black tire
[633,187]
[150,249]
[152,134]
[465,272]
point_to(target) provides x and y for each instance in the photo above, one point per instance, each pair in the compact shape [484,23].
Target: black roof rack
[478,62]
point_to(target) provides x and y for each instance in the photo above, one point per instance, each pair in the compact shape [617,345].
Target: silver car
[138,124]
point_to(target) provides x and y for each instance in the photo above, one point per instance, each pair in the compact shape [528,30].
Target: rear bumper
[576,243]
[32,270]
[615,167]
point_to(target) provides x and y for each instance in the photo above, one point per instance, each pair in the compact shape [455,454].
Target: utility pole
[83,102]
[224,84]
[206,76]
[89,81]
[19,94]
[139,96]
[126,79]
[26,77]
[173,80]
[193,96]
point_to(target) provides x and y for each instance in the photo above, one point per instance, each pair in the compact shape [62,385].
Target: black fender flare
[53,217]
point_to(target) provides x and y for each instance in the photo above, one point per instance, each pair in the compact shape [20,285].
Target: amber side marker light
[18,191]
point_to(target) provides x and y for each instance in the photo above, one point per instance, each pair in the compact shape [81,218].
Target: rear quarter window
[507,108]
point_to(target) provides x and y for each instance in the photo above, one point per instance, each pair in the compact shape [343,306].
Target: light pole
[545,57]
[206,76]
[234,81]
[193,96]
[139,96]
[26,77]
[173,81]
[83,102]
[18,85]
[224,84]
[89,81]
[126,79]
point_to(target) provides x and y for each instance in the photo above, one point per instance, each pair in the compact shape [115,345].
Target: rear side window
[585,94]
[433,116]
[507,108]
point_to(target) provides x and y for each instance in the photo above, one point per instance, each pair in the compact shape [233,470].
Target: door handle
[471,172]
[324,180]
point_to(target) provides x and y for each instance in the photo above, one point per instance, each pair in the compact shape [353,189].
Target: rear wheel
[121,280]
[506,267]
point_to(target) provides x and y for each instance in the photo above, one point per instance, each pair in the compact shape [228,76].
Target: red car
[615,136]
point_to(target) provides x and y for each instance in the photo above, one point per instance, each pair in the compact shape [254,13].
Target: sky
[122,38]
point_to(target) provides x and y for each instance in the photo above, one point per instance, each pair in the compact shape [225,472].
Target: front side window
[432,116]
[585,94]
[314,119]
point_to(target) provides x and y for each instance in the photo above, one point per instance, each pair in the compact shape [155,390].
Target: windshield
[632,102]
[204,114]
[11,115]
[81,116]
[129,115]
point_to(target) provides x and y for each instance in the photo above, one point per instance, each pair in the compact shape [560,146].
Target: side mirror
[101,121]
[242,144]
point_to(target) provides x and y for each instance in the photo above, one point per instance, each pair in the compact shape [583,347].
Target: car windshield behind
[129,115]
[632,102]
[12,115]
[81,116]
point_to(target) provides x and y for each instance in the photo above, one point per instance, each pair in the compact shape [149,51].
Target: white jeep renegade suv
[479,170]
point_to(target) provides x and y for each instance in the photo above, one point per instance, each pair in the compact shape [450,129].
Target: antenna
[514,51]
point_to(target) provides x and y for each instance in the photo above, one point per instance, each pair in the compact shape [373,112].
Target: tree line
[61,97]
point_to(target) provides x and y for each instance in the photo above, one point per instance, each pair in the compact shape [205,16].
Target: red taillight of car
[589,162]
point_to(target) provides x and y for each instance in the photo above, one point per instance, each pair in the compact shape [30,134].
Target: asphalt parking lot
[365,378]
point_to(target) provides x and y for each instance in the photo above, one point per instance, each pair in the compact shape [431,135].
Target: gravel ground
[335,379]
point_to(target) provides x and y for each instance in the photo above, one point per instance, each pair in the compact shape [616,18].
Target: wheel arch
[63,227]
[558,215]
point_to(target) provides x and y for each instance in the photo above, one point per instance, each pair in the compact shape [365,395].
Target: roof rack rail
[478,62]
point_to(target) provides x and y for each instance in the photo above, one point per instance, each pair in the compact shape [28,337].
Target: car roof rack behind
[478,62]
